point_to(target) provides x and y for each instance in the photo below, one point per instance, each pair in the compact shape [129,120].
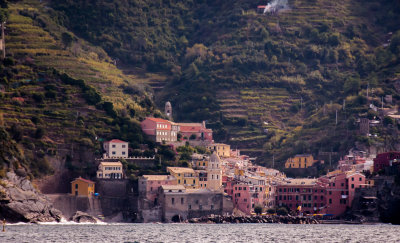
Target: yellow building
[201,164]
[82,187]
[185,176]
[110,170]
[300,161]
[222,150]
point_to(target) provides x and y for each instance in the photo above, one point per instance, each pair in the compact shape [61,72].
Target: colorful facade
[160,130]
[300,161]
[149,185]
[82,187]
[222,150]
[110,170]
[185,176]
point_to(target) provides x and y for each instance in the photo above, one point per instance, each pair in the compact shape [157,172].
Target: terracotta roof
[85,180]
[181,169]
[116,141]
[158,177]
[157,119]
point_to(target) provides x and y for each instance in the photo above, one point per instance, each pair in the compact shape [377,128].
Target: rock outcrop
[21,202]
[81,217]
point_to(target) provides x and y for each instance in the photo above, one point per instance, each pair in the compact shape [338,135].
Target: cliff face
[21,202]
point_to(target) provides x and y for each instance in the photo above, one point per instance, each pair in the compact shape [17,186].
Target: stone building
[222,150]
[179,203]
[300,161]
[214,173]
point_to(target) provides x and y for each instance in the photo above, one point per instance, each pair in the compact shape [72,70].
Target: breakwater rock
[21,202]
[218,219]
[81,217]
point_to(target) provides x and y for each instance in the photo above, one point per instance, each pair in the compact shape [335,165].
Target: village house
[185,176]
[222,150]
[82,187]
[202,175]
[110,170]
[160,130]
[340,189]
[385,160]
[300,161]
[115,148]
[309,194]
[149,185]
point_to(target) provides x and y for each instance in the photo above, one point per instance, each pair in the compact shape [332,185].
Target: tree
[192,137]
[271,211]
[258,209]
[282,211]
[67,39]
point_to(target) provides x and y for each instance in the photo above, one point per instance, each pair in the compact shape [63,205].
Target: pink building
[341,189]
[307,193]
[195,129]
[160,130]
[245,196]
[149,185]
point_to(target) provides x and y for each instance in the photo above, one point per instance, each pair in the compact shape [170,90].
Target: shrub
[271,211]
[282,211]
[39,133]
[258,209]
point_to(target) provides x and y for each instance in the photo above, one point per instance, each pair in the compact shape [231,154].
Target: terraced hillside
[78,59]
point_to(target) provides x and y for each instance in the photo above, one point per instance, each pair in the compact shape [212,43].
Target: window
[200,207]
[190,206]
[297,198]
[284,189]
[212,207]
[360,179]
[352,185]
[352,178]
[304,197]
[322,198]
[333,184]
[330,201]
[330,192]
[245,188]
[76,186]
[123,153]
[173,200]
[309,198]
[113,146]
[284,197]
[182,200]
[315,197]
[123,146]
[113,152]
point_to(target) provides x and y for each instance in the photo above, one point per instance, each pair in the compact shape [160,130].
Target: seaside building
[307,193]
[82,187]
[148,185]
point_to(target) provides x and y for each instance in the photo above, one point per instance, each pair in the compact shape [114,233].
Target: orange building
[300,161]
[82,187]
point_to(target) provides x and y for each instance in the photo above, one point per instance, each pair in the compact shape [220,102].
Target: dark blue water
[200,233]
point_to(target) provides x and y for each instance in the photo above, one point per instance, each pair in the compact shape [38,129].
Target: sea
[72,232]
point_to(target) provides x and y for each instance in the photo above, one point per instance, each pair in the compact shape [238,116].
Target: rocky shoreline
[217,219]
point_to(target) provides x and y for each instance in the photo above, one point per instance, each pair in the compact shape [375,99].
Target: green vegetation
[270,85]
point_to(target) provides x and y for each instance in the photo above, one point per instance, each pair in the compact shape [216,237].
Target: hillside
[269,84]
[61,97]
[245,72]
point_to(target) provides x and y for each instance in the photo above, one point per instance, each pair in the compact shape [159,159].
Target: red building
[385,160]
[341,189]
[197,130]
[307,193]
[160,130]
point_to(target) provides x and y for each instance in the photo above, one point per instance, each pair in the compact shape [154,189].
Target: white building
[116,149]
[110,170]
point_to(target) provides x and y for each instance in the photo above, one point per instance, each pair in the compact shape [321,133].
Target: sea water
[71,232]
